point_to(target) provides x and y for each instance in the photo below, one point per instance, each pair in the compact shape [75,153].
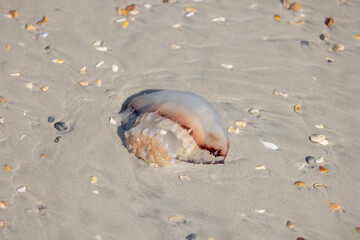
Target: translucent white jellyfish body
[165,126]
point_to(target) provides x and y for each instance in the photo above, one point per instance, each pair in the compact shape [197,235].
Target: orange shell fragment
[130,7]
[3,204]
[297,108]
[334,206]
[122,11]
[42,21]
[296,6]
[13,14]
[329,21]
[125,24]
[277,17]
[300,184]
[7,168]
[323,169]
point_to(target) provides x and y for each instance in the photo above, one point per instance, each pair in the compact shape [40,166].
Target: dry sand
[132,200]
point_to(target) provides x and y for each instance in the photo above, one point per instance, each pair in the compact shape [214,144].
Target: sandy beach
[78,61]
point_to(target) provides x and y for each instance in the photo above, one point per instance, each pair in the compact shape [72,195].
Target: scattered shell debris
[329,21]
[7,168]
[280,93]
[42,21]
[3,205]
[319,138]
[269,145]
[112,121]
[93,179]
[44,88]
[334,206]
[254,111]
[83,83]
[232,129]
[297,108]
[176,219]
[323,169]
[300,184]
[289,224]
[240,123]
[338,47]
[21,189]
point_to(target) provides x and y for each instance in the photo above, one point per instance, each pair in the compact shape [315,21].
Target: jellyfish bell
[165,126]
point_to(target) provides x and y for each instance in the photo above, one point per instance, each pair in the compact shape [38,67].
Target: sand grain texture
[133,200]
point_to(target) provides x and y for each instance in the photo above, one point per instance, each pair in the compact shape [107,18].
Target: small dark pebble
[310,160]
[47,47]
[324,37]
[41,209]
[60,126]
[51,119]
[57,139]
[191,236]
[305,43]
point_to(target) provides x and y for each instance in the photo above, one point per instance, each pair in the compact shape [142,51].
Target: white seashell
[253,111]
[227,66]
[218,19]
[176,25]
[99,64]
[261,211]
[184,178]
[15,74]
[2,120]
[98,237]
[269,145]
[82,70]
[112,121]
[319,126]
[319,138]
[101,48]
[29,85]
[42,35]
[174,46]
[98,43]
[319,160]
[260,167]
[21,189]
[120,20]
[22,136]
[135,12]
[194,132]
[189,14]
[147,5]
[114,68]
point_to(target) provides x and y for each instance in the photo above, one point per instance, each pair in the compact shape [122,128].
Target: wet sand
[161,48]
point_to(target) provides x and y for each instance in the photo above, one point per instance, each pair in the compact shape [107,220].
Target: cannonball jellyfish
[165,126]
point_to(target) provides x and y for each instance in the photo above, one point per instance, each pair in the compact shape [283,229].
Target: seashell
[190,9]
[13,14]
[98,237]
[319,138]
[296,6]
[60,126]
[261,211]
[97,43]
[329,21]
[83,83]
[29,27]
[147,5]
[330,59]
[122,11]
[112,121]
[93,179]
[300,184]
[357,37]
[218,19]
[99,64]
[135,12]
[3,204]
[125,24]
[114,68]
[334,206]
[2,223]
[42,35]
[29,85]
[21,189]
[289,224]
[357,230]
[57,139]
[101,48]
[227,66]
[58,61]
[176,25]
[319,160]
[7,47]
[319,185]
[42,21]
[338,47]
[297,108]
[260,167]
[22,136]
[277,17]
[195,133]
[2,99]
[7,168]
[184,178]
[253,111]
[41,209]
[285,3]
[310,160]
[51,119]
[323,169]
[279,93]
[15,74]
[42,156]
[189,14]
[120,20]
[300,22]
[98,83]
[2,120]
[176,220]
[82,70]
[324,37]
[174,46]
[240,123]
[44,88]
[232,129]
[269,145]
[130,7]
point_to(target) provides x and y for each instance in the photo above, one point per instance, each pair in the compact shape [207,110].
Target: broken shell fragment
[2,120]
[58,61]
[101,48]
[83,83]
[357,37]
[260,167]
[227,66]
[195,133]
[297,108]
[253,111]
[277,17]
[60,126]
[319,185]
[289,224]
[324,37]
[15,74]
[42,21]
[329,21]
[93,179]
[232,129]
[29,27]
[319,138]
[3,204]
[125,24]
[21,189]
[240,123]
[218,19]
[130,7]
[112,121]
[2,99]
[42,35]
[296,6]
[44,88]
[338,47]
[280,93]
[357,230]
[13,14]
[190,9]
[299,22]
[98,83]
[334,206]
[7,168]
[176,219]
[82,70]
[7,47]
[300,184]
[323,169]
[330,59]
[2,223]
[97,43]
[42,156]
[174,46]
